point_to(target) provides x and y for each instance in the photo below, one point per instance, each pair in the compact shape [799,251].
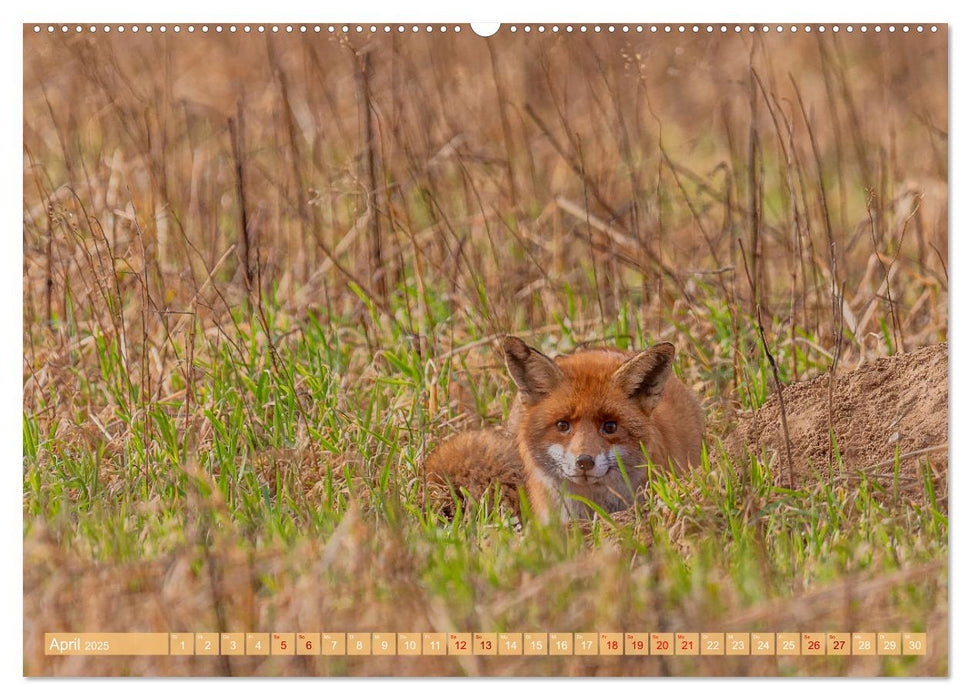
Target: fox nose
[585,462]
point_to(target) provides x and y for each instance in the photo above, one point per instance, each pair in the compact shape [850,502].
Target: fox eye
[610,427]
[563,426]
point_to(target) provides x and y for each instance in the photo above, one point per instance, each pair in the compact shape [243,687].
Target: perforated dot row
[245,28]
[722,28]
[527,28]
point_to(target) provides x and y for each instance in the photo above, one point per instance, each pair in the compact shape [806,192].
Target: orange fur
[580,427]
[477,461]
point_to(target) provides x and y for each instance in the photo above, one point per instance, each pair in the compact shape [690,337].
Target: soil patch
[892,403]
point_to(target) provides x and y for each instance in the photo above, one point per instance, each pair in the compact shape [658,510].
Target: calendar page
[366,349]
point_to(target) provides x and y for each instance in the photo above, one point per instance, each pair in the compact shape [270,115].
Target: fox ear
[535,374]
[643,376]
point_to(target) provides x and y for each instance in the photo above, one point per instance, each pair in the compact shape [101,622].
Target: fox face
[585,420]
[587,425]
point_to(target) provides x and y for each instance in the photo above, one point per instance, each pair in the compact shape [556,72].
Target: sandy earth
[893,402]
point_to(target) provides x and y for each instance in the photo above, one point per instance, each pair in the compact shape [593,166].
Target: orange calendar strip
[409,644]
[285,644]
[914,644]
[510,643]
[637,644]
[485,643]
[737,644]
[106,644]
[207,644]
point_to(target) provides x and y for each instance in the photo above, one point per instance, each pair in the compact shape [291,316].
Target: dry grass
[263,276]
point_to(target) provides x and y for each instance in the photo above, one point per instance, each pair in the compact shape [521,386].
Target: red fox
[579,424]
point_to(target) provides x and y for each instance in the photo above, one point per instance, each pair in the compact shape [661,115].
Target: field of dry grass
[265,274]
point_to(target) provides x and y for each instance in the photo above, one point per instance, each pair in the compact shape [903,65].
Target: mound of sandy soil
[890,403]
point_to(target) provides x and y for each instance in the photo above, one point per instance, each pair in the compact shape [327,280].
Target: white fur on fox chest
[566,462]
[606,486]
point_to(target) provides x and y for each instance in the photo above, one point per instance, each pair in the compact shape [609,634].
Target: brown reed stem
[775,369]
[377,275]
[236,132]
